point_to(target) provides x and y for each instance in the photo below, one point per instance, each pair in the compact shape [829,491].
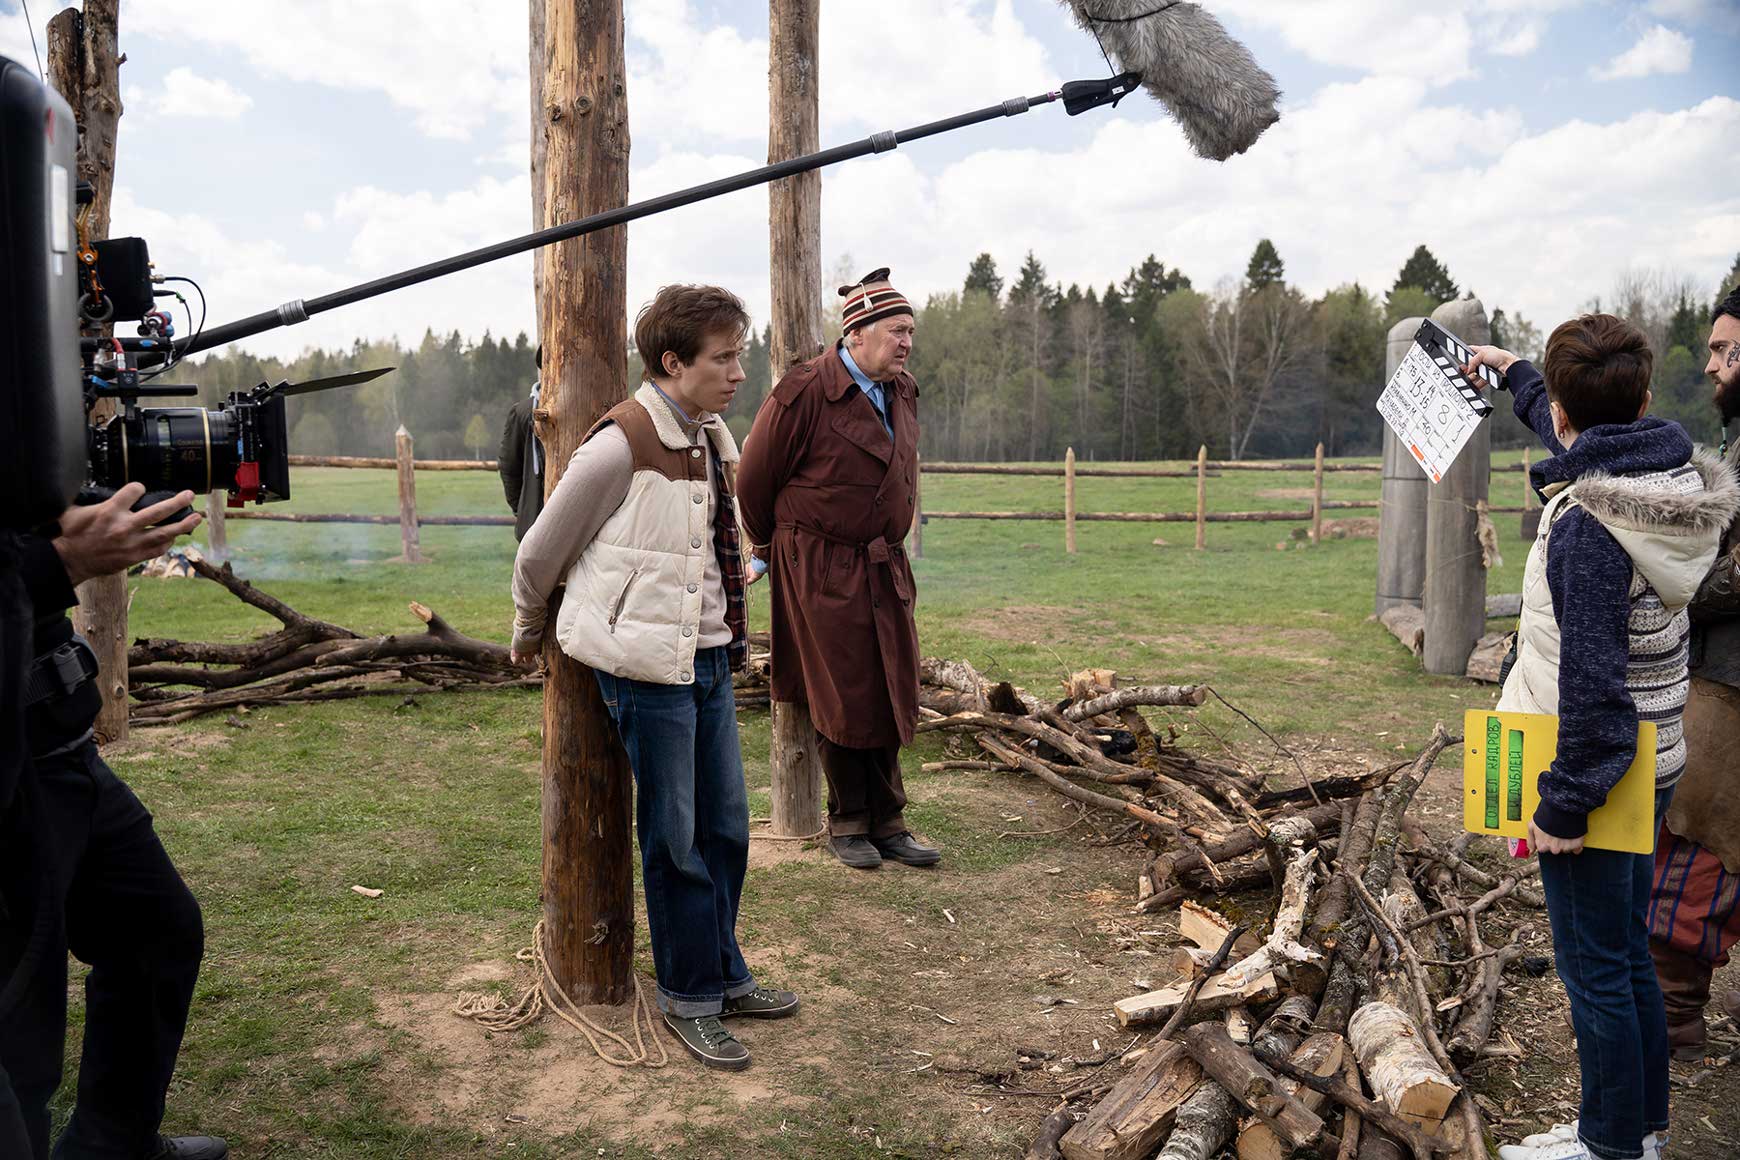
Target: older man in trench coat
[826,488]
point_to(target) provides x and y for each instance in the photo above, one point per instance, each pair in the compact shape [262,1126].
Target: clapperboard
[1430,404]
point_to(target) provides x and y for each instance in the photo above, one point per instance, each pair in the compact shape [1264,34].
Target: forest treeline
[1019,368]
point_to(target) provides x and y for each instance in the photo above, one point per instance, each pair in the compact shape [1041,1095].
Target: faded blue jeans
[1598,902]
[692,819]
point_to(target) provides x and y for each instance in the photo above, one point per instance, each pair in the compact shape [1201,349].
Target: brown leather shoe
[1685,990]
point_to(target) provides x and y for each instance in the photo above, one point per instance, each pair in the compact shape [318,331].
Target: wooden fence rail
[409,520]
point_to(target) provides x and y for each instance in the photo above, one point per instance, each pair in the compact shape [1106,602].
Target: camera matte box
[42,419]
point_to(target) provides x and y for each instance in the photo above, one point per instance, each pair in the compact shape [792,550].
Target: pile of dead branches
[305,660]
[1342,1026]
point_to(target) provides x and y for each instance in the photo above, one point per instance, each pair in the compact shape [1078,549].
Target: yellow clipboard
[1503,757]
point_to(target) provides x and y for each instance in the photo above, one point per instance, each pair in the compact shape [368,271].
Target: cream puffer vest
[633,601]
[1669,523]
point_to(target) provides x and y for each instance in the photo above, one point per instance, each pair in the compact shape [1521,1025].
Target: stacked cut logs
[1341,1025]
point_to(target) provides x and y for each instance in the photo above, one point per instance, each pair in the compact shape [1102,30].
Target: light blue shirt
[872,391]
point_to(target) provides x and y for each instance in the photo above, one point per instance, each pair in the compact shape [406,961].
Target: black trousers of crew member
[865,791]
[129,916]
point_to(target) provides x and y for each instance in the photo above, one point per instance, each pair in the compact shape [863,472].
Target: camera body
[41,394]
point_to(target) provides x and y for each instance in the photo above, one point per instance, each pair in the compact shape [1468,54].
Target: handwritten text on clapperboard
[1429,404]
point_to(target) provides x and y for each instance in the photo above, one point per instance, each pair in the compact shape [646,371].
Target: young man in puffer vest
[1630,528]
[642,528]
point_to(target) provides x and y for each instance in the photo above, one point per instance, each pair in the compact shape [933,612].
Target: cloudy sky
[284,149]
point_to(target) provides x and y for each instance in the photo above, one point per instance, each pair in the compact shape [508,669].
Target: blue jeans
[1598,902]
[692,819]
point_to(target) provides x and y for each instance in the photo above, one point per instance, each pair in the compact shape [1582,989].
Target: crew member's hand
[751,573]
[1495,357]
[109,537]
[1542,842]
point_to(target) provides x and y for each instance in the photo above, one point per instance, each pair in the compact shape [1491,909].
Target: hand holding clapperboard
[1433,406]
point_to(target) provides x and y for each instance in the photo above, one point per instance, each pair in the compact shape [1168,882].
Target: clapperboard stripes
[1450,355]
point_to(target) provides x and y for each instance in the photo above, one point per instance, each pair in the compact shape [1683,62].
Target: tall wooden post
[84,66]
[1402,503]
[917,508]
[538,48]
[1453,594]
[217,540]
[582,314]
[1531,512]
[795,268]
[1201,496]
[1069,500]
[410,535]
[1317,499]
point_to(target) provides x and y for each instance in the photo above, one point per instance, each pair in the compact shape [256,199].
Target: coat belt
[879,551]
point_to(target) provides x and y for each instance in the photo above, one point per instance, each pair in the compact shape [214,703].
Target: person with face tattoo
[1694,915]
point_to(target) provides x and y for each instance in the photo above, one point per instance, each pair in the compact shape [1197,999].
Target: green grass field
[321,1026]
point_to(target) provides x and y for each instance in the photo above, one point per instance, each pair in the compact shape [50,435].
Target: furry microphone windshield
[1208,81]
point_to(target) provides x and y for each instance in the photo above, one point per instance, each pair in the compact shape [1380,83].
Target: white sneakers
[1560,1142]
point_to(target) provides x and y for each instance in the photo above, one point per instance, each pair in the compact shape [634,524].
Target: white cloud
[1660,50]
[1439,43]
[1521,41]
[186,95]
[1721,15]
[450,63]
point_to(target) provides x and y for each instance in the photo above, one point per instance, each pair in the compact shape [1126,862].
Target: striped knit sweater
[1631,527]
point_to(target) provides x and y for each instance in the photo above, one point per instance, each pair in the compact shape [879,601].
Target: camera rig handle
[1078,95]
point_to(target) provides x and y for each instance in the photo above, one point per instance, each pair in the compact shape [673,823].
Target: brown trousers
[865,791]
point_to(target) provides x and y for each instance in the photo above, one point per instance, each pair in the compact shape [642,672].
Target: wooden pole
[917,508]
[795,274]
[537,45]
[409,537]
[1402,509]
[1069,501]
[217,540]
[1317,500]
[1201,495]
[84,66]
[1453,594]
[1531,514]
[588,875]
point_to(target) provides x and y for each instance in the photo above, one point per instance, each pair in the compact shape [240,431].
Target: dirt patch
[766,850]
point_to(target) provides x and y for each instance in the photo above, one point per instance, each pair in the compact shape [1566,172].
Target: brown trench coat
[827,499]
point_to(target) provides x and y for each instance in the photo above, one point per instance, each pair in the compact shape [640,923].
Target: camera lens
[167,449]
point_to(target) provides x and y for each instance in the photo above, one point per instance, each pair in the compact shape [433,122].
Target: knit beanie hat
[871,298]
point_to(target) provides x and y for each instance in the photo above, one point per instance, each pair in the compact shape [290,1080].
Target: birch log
[1400,1071]
[1283,946]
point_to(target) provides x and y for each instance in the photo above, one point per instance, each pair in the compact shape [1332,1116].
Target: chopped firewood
[1215,996]
[1322,1054]
[1139,1110]
[1396,1064]
[1253,1085]
[1409,625]
[1240,1027]
[1207,928]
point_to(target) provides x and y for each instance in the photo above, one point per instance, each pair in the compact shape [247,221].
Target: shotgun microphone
[1208,81]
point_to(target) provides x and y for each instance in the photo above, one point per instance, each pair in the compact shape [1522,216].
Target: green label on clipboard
[1494,735]
[1514,778]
